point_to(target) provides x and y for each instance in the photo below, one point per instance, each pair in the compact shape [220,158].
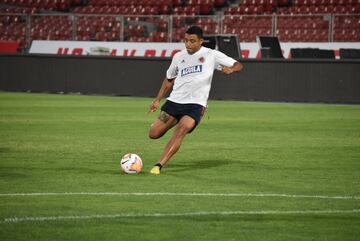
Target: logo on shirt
[191,70]
[202,59]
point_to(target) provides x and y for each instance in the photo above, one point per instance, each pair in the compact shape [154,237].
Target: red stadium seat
[219,3]
[164,9]
[177,3]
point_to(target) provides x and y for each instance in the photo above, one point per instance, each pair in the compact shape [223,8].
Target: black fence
[329,81]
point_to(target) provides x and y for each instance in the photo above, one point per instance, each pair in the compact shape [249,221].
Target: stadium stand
[166,20]
[303,28]
[247,27]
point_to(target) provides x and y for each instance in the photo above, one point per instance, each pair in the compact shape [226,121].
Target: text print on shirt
[191,69]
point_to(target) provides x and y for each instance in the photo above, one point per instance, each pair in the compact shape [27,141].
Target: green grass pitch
[250,171]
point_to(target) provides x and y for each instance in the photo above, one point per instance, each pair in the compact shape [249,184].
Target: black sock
[159,165]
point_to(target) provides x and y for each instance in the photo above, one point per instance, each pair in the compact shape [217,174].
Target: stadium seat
[219,3]
[176,3]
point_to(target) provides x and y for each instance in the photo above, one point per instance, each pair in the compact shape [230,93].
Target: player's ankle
[159,165]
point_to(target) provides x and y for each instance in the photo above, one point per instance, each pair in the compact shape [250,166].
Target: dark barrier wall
[331,81]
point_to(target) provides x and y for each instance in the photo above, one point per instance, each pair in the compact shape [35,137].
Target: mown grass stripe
[188,214]
[178,194]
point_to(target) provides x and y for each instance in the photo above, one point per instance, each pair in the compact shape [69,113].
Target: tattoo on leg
[164,117]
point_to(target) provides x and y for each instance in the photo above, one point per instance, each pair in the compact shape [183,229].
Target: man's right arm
[164,89]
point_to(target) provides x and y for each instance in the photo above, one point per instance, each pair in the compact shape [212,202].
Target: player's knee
[154,134]
[185,128]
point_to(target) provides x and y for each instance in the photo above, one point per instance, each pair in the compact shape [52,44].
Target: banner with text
[105,48]
[248,50]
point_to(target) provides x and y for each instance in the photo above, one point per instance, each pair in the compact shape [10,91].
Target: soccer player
[189,76]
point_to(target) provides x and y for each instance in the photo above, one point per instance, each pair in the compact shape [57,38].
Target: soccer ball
[131,163]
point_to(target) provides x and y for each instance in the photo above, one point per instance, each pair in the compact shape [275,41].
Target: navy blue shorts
[176,110]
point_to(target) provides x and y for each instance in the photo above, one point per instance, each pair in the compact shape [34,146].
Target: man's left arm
[237,66]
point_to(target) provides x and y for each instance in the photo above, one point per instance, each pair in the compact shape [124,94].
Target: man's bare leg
[161,125]
[183,127]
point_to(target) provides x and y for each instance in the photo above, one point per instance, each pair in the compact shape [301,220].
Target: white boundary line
[160,215]
[178,194]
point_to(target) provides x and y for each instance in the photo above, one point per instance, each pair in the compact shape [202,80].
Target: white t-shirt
[193,74]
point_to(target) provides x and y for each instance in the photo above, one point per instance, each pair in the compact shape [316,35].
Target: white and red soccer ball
[131,163]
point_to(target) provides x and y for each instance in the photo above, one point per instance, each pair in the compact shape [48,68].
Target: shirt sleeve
[223,59]
[172,71]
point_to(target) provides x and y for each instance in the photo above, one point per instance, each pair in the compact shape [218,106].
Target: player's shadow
[199,164]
